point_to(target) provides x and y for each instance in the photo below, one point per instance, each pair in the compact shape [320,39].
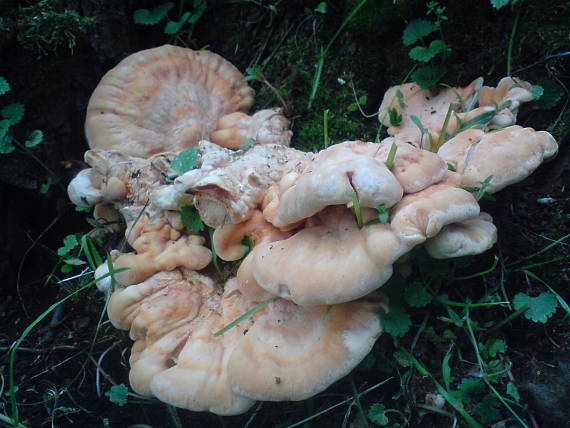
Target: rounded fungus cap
[336,174]
[464,238]
[293,353]
[422,215]
[267,126]
[429,106]
[227,239]
[510,89]
[163,99]
[332,261]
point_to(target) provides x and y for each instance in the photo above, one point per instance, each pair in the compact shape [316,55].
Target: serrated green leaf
[541,307]
[13,113]
[4,86]
[513,392]
[352,107]
[6,145]
[429,75]
[419,53]
[417,29]
[362,99]
[397,322]
[191,219]
[69,243]
[173,27]
[321,7]
[497,4]
[185,161]
[470,388]
[416,295]
[377,414]
[36,137]
[153,16]
[118,394]
[487,410]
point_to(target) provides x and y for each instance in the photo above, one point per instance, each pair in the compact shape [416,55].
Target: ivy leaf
[185,161]
[513,392]
[470,388]
[416,295]
[173,27]
[69,243]
[321,7]
[419,53]
[191,219]
[417,29]
[397,322]
[540,307]
[13,113]
[497,4]
[36,137]
[153,16]
[118,394]
[6,145]
[4,86]
[377,414]
[429,75]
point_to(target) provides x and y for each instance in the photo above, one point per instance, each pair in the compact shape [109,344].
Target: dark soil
[72,357]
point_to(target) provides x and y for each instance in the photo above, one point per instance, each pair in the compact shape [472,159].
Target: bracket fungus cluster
[325,228]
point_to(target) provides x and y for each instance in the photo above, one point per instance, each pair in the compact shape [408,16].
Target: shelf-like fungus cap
[509,90]
[336,174]
[293,353]
[414,168]
[464,238]
[267,126]
[171,317]
[228,239]
[422,215]
[509,155]
[163,99]
[227,187]
[331,261]
[160,243]
[430,107]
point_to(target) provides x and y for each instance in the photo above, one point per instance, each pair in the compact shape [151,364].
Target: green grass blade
[244,316]
[12,357]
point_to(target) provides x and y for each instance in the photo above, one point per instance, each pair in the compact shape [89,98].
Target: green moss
[291,72]
[46,27]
